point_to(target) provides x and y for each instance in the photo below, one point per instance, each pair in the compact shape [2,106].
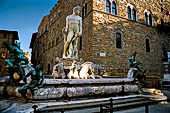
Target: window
[114,8]
[129,12]
[53,43]
[46,28]
[48,71]
[57,40]
[150,20]
[108,8]
[162,10]
[147,45]
[146,18]
[84,10]
[133,14]
[81,43]
[49,45]
[118,40]
[54,17]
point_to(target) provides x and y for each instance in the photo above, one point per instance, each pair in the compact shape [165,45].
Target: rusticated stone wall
[133,34]
[99,35]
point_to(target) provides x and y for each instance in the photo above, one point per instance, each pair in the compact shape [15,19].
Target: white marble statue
[73,71]
[58,70]
[72,32]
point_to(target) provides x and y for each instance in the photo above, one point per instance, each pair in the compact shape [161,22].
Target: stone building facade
[112,31]
[10,36]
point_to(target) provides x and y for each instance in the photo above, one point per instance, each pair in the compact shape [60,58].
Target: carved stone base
[72,88]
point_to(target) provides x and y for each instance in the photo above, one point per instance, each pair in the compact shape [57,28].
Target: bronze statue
[36,81]
[134,63]
[139,75]
[17,59]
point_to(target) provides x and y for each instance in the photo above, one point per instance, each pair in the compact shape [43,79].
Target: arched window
[118,40]
[146,18]
[150,19]
[133,14]
[129,12]
[147,45]
[114,8]
[108,6]
[57,40]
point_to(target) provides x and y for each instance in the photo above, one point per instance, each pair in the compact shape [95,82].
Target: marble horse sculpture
[74,71]
[87,70]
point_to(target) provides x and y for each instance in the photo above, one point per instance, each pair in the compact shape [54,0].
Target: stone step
[120,107]
[92,103]
[86,103]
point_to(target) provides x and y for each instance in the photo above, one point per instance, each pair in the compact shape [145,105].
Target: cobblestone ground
[8,106]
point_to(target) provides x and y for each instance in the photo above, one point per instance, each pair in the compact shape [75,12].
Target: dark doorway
[48,69]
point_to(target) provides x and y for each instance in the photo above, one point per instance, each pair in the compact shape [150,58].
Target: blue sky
[24,16]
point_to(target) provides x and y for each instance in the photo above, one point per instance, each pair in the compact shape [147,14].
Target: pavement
[12,106]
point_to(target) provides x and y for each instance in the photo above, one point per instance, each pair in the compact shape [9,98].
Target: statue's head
[76,10]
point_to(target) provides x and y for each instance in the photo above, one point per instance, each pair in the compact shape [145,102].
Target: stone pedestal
[73,88]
